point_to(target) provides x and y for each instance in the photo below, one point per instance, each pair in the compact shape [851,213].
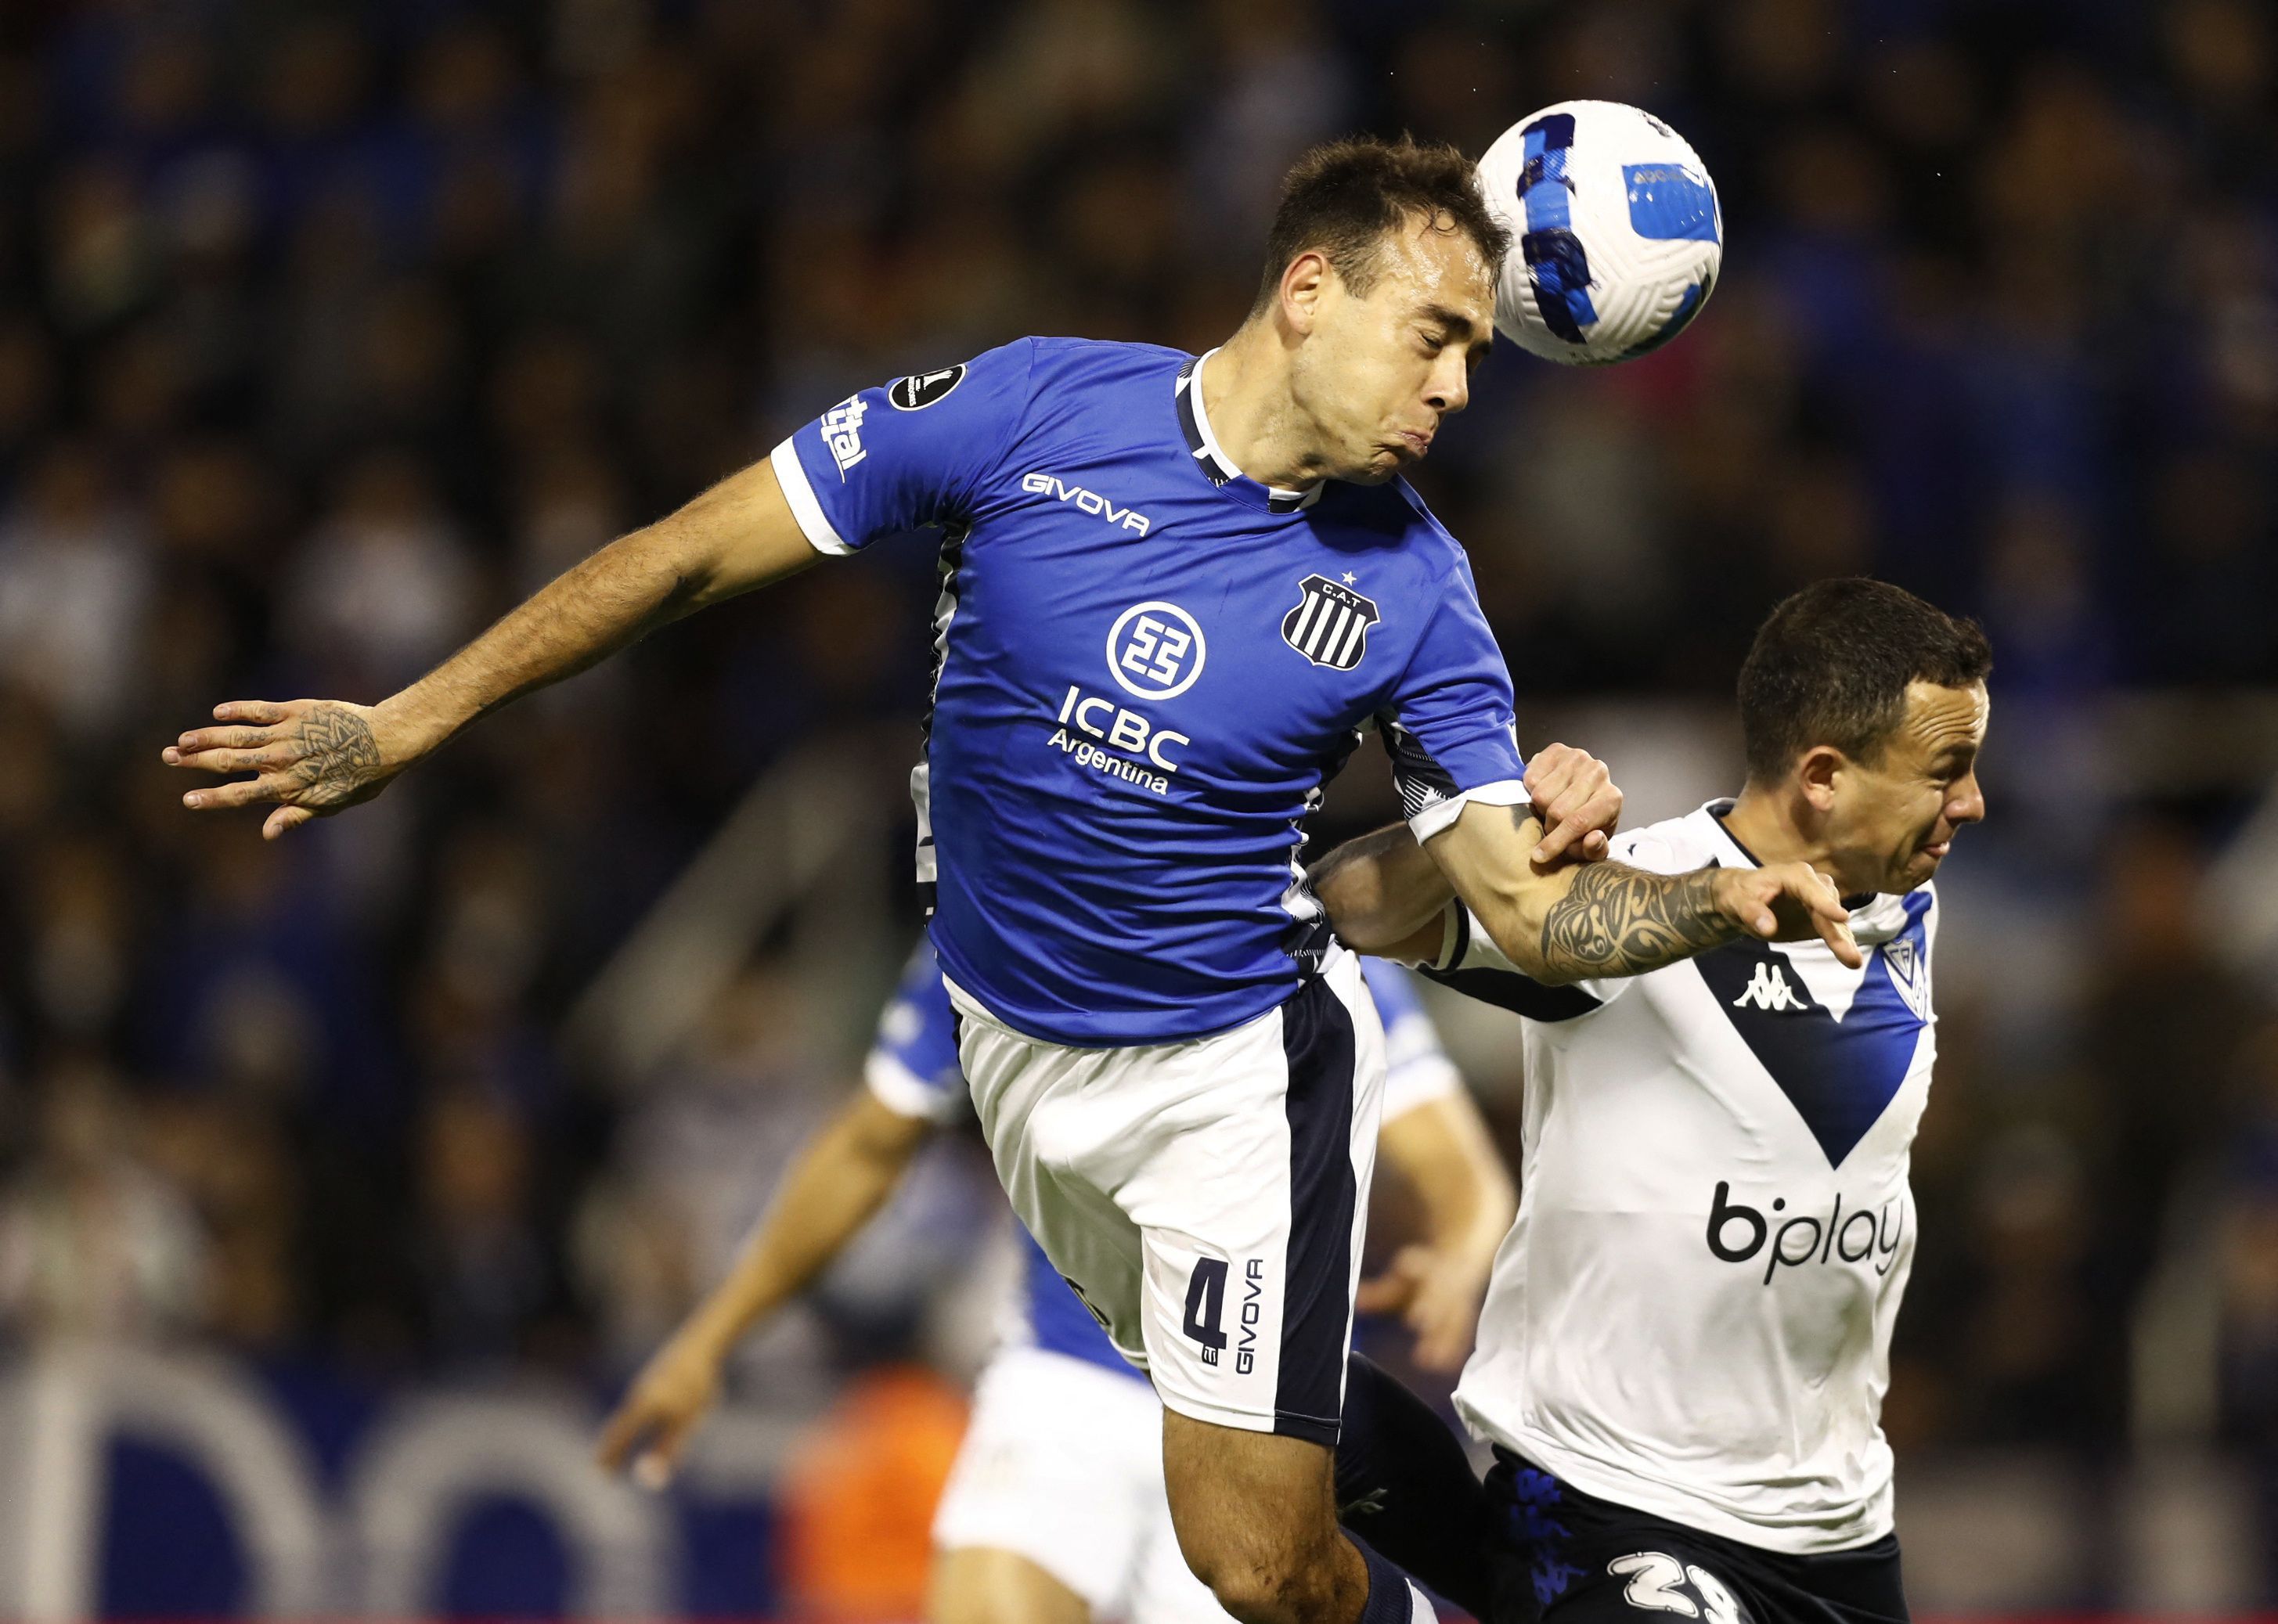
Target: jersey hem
[973,1007]
[1657,1498]
[798,491]
[1439,816]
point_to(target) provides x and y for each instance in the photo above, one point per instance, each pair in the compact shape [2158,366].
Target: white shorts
[1207,1199]
[1062,1464]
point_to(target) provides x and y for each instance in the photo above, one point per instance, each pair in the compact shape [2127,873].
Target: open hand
[1788,902]
[312,757]
[1575,797]
[1436,1295]
[659,1413]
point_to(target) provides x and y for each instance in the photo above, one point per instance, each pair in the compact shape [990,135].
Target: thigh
[1054,1470]
[1046,1111]
[1164,1590]
[1252,1206]
[1242,1501]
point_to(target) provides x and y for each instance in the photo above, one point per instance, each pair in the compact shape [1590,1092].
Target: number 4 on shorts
[1656,1582]
[1206,1306]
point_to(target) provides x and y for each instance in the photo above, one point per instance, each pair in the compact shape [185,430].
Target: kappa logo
[921,390]
[1768,990]
[1330,625]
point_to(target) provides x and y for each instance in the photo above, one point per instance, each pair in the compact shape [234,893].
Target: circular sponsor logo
[923,389]
[1155,650]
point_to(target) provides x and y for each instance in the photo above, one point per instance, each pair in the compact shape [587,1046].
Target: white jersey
[1692,1315]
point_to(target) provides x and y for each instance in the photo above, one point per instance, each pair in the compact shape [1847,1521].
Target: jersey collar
[1730,851]
[1215,463]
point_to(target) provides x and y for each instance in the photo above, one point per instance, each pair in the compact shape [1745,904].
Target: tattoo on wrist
[1618,920]
[338,756]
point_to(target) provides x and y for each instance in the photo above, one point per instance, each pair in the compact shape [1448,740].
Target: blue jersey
[1147,667]
[913,1070]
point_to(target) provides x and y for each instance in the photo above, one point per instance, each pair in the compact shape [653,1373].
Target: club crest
[1330,625]
[1909,975]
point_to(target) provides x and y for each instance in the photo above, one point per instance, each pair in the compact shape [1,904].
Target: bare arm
[841,1178]
[317,756]
[1386,896]
[1441,1149]
[1571,924]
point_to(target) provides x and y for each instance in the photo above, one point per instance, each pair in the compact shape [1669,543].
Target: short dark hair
[1831,664]
[1344,196]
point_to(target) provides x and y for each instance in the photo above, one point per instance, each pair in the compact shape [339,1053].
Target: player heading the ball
[1175,1064]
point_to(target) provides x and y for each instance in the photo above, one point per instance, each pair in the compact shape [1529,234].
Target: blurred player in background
[1056,1512]
[1687,1341]
[1175,590]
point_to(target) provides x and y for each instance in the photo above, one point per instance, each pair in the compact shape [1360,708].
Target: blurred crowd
[327,331]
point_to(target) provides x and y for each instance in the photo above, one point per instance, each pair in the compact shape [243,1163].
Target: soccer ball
[1616,233]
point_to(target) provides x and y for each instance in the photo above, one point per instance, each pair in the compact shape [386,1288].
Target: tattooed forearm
[1618,920]
[339,758]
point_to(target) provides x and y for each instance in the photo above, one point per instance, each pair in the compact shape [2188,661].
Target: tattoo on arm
[1618,920]
[338,756]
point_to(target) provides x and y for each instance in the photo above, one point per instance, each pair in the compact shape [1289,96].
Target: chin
[1919,872]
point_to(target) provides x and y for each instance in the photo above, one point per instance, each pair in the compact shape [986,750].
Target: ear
[1304,282]
[1815,775]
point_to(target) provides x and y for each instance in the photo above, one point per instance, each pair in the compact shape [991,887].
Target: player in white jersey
[1685,1344]
[1055,1512]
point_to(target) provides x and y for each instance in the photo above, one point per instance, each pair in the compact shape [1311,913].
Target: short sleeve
[1449,727]
[1470,963]
[1417,1069]
[912,1067]
[911,454]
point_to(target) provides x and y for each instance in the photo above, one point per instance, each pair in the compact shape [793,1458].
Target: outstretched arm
[1574,924]
[1385,896]
[840,1180]
[314,756]
[1441,1149]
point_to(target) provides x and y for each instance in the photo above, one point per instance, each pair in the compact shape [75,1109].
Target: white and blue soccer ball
[1616,235]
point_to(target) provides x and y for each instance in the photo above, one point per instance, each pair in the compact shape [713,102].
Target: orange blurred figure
[858,1499]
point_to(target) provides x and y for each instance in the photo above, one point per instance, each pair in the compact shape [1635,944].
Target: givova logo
[1739,1233]
[1205,1321]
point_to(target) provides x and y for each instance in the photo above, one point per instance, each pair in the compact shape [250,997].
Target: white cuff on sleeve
[1469,947]
[804,507]
[1418,1082]
[904,1093]
[1441,816]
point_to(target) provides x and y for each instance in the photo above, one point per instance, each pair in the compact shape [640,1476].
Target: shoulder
[1888,917]
[1392,513]
[1101,361]
[1673,846]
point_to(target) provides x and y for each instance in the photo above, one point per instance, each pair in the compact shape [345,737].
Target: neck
[1768,822]
[1253,412]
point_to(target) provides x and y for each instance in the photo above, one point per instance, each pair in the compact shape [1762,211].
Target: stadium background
[342,1180]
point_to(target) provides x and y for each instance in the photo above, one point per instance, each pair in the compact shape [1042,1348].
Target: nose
[1967,803]
[1449,387]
